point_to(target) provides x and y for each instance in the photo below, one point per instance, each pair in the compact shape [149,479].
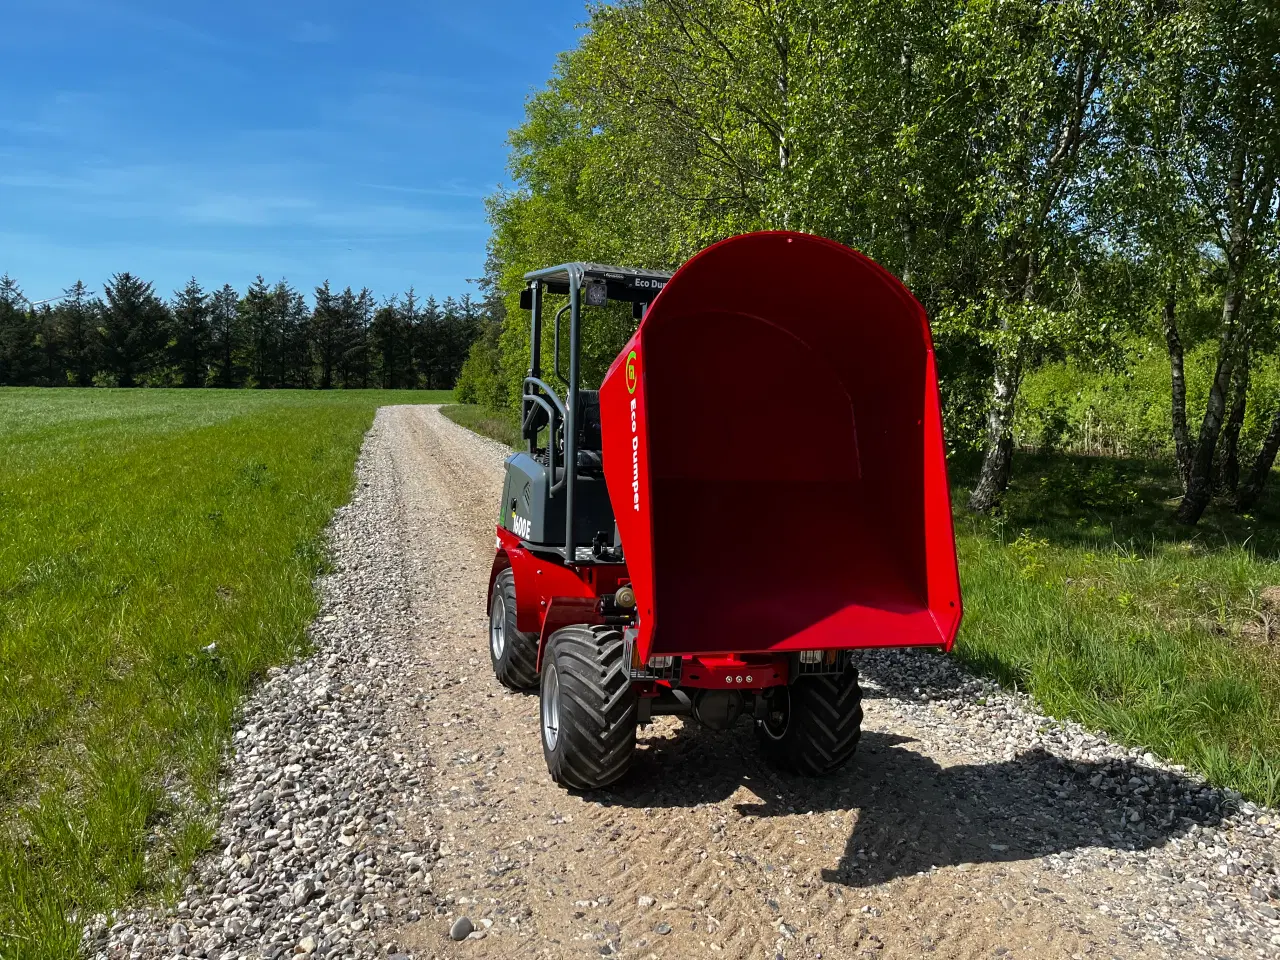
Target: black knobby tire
[586,684]
[514,654]
[819,727]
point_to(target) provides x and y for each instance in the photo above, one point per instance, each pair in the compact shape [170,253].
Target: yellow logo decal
[631,372]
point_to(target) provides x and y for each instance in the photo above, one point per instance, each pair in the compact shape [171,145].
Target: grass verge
[1086,595]
[157,552]
[500,425]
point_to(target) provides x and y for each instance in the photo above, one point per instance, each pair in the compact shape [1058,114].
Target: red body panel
[733,673]
[774,454]
[550,595]
[538,581]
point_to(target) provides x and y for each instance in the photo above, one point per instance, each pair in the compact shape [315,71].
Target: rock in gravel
[461,929]
[306,946]
[663,928]
[302,892]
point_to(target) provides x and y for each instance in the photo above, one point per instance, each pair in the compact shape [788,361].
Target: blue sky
[313,141]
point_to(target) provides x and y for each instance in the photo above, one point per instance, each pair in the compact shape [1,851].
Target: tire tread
[518,667]
[825,725]
[597,707]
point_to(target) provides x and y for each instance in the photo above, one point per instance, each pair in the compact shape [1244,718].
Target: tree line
[267,337]
[1053,179]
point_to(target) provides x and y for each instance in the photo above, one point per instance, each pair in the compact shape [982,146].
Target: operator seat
[590,436]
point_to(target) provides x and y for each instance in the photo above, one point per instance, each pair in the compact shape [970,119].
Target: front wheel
[514,654]
[813,725]
[587,707]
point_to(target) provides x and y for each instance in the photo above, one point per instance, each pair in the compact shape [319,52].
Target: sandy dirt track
[933,843]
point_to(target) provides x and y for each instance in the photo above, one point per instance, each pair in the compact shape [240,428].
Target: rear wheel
[814,724]
[588,708]
[514,654]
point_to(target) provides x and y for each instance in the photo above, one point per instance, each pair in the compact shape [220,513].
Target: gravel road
[388,787]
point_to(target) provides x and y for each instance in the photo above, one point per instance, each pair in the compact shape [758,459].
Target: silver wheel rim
[498,626]
[550,706]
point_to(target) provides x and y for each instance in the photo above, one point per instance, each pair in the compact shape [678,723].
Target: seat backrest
[589,434]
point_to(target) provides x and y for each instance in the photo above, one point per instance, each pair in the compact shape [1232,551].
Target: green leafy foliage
[1048,179]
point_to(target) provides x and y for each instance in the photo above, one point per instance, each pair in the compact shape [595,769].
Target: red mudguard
[550,595]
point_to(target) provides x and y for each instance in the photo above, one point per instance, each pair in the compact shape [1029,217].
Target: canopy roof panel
[601,271]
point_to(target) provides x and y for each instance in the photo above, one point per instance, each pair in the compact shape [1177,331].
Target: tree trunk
[997,461]
[908,248]
[1248,494]
[1229,472]
[1181,442]
[1200,479]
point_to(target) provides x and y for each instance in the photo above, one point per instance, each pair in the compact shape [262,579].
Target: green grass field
[1086,595]
[157,552]
[498,425]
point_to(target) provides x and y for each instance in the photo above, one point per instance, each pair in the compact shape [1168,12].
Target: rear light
[810,656]
[659,663]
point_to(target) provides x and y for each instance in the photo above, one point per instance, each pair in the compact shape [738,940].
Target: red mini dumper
[757,489]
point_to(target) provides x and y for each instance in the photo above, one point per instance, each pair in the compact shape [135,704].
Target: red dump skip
[774,455]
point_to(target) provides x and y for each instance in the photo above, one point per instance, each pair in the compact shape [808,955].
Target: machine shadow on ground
[912,814]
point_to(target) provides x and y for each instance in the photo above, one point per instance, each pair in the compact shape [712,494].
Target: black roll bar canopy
[601,283]
[628,284]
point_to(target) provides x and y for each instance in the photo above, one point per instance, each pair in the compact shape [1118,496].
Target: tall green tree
[390,334]
[426,338]
[48,345]
[224,337]
[293,321]
[327,335]
[354,314]
[1194,176]
[191,333]
[258,320]
[1029,79]
[1227,147]
[411,318]
[17,334]
[133,328]
[78,318]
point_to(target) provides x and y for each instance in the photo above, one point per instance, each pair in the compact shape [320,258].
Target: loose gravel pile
[1187,848]
[387,797]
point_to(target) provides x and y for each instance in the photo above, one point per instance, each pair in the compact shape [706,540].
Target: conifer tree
[191,334]
[224,337]
[133,328]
